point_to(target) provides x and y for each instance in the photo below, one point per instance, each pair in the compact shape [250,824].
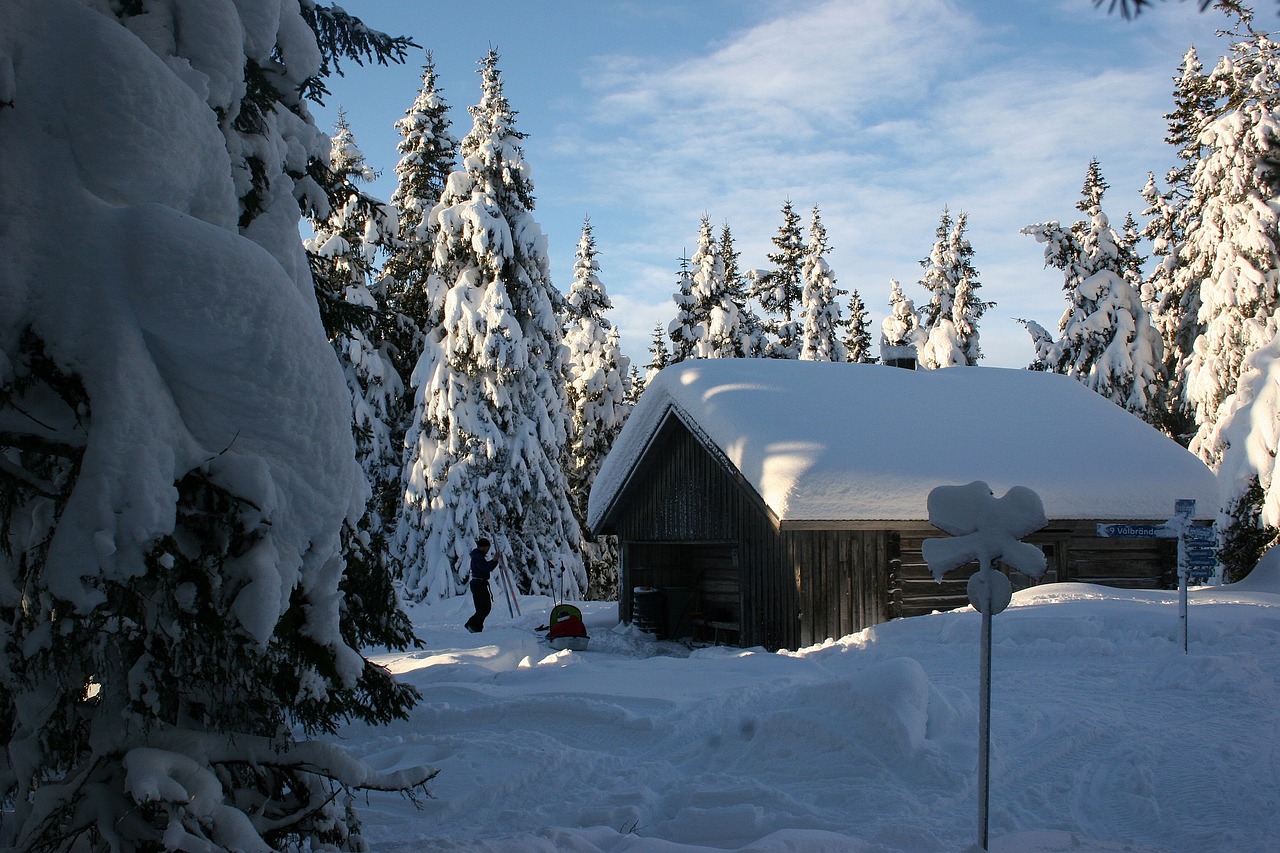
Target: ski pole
[511,587]
[489,528]
[502,584]
[504,576]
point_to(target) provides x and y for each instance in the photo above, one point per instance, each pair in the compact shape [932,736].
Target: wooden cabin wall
[843,579]
[686,521]
[681,500]
[686,516]
[1073,551]
[1122,562]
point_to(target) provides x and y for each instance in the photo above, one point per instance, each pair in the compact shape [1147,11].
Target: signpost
[1201,544]
[988,529]
[1197,550]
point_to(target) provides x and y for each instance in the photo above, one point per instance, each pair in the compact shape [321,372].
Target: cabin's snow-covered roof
[824,441]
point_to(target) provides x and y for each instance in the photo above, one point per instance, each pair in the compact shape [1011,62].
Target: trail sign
[1197,549]
[1198,535]
[1160,531]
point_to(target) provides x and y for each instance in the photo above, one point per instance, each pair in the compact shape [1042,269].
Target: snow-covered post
[985,528]
[1183,510]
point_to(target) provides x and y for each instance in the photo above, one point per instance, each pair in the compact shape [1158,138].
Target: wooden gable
[687,520]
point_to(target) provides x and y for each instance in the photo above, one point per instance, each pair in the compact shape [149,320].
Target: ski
[505,575]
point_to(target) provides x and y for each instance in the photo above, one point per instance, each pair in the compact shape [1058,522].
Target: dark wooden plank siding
[685,514]
[683,506]
[680,493]
[843,580]
[689,523]
[1073,552]
[1126,563]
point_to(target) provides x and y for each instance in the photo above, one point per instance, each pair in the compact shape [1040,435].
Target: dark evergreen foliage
[343,36]
[858,340]
[1247,538]
[428,154]
[780,291]
[157,662]
[1132,8]
[660,357]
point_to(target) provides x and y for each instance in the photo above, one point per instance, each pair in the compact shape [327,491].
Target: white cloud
[824,63]
[881,112]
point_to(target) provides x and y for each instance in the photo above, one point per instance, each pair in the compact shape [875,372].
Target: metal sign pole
[990,593]
[1182,593]
[1183,510]
[985,528]
[984,732]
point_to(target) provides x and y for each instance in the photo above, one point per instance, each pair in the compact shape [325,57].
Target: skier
[481,567]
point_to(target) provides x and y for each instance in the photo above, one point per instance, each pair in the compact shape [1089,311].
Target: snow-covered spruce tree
[341,256]
[1041,343]
[1232,231]
[714,311]
[949,321]
[428,154]
[1172,291]
[686,327]
[900,335]
[179,481]
[343,252]
[1130,259]
[820,329]
[736,286]
[857,341]
[659,356]
[485,453]
[780,289]
[1249,520]
[1229,256]
[1106,339]
[598,404]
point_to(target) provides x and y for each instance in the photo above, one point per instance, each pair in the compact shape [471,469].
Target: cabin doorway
[680,591]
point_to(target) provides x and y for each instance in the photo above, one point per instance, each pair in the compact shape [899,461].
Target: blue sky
[646,115]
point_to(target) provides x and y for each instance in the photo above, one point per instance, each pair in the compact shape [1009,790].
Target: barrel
[647,609]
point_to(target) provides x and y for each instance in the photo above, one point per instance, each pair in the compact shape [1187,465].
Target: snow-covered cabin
[779,502]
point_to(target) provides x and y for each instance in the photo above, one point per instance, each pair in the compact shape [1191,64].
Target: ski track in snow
[1101,729]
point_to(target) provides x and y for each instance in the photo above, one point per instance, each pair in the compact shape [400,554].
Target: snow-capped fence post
[986,529]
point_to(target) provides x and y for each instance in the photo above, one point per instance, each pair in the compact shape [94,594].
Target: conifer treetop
[1106,339]
[820,334]
[587,297]
[427,150]
[858,339]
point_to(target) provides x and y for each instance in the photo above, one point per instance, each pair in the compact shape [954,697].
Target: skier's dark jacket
[481,566]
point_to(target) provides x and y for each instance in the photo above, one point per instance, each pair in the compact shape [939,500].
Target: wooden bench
[716,626]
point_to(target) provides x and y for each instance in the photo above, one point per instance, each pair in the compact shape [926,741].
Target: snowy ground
[1105,736]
